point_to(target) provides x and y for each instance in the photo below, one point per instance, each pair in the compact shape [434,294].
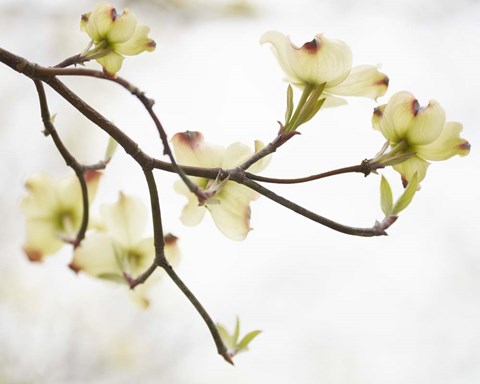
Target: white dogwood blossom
[229,204]
[329,62]
[54,210]
[114,36]
[419,131]
[117,249]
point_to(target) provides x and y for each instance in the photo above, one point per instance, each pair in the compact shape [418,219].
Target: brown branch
[364,168]
[355,231]
[146,102]
[70,160]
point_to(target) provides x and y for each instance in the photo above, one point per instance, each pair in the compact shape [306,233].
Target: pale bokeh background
[333,309]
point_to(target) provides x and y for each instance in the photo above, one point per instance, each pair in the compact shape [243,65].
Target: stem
[161,261]
[355,231]
[147,103]
[290,125]
[364,168]
[221,348]
[78,168]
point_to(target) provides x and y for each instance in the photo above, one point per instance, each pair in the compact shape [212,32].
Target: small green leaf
[386,198]
[243,345]
[236,333]
[406,197]
[226,338]
[111,148]
[315,109]
[289,111]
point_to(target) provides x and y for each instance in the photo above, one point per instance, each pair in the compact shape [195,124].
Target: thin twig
[146,102]
[364,168]
[68,157]
[355,231]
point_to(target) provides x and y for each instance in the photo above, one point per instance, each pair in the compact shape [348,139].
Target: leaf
[386,198]
[289,111]
[226,338]
[407,196]
[243,345]
[236,333]
[111,148]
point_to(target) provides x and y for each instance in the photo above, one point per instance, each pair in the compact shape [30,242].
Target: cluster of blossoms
[115,247]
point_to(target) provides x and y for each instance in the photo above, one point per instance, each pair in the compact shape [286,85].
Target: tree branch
[70,160]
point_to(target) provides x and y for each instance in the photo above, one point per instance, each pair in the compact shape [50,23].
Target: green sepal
[243,344]
[386,197]
[407,196]
[111,148]
[290,106]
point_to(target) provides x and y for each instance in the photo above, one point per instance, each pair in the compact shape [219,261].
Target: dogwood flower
[419,132]
[327,62]
[54,211]
[229,204]
[114,37]
[118,250]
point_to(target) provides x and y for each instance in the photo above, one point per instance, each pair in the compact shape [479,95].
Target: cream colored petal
[172,250]
[260,165]
[111,63]
[139,257]
[236,154]
[192,214]
[413,165]
[41,239]
[126,219]
[332,101]
[363,80]
[122,28]
[191,149]
[99,256]
[448,144]
[100,21]
[398,116]
[321,61]
[428,124]
[232,215]
[281,45]
[138,43]
[377,118]
[41,200]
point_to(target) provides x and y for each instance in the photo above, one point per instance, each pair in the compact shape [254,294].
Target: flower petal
[232,215]
[42,197]
[398,116]
[41,239]
[411,166]
[377,118]
[111,63]
[319,61]
[191,149]
[236,154]
[99,257]
[260,165]
[99,21]
[138,43]
[280,46]
[122,28]
[126,220]
[363,80]
[448,144]
[427,125]
[192,214]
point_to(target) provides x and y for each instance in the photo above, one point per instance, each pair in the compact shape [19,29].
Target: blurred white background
[333,309]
